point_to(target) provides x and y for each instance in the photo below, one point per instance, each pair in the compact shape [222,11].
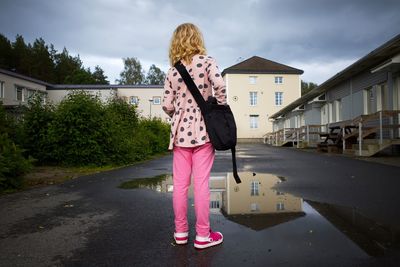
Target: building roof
[259,65]
[101,86]
[373,59]
[23,77]
[50,86]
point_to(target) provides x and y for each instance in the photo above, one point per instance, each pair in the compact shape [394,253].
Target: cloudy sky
[319,36]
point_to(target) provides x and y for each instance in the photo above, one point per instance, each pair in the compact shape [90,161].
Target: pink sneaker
[215,238]
[181,238]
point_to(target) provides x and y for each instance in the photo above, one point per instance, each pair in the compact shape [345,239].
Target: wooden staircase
[370,147]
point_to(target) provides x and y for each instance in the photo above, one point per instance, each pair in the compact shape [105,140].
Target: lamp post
[151,102]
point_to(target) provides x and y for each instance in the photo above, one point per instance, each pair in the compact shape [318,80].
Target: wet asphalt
[89,221]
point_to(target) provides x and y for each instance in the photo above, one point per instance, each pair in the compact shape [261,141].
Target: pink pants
[196,161]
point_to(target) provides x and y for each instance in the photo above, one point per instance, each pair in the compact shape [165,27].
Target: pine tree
[6,53]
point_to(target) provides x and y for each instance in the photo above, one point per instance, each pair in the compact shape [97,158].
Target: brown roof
[259,65]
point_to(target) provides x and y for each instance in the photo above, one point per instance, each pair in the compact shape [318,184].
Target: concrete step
[364,153]
[376,141]
[368,147]
[349,152]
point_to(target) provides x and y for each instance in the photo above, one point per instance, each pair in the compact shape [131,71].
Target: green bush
[38,118]
[83,131]
[157,134]
[78,130]
[12,164]
[122,121]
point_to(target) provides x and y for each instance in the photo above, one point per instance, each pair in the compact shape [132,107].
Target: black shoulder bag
[219,120]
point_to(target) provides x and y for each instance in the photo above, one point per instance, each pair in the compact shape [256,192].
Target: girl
[193,154]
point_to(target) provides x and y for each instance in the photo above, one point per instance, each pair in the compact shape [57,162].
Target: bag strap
[235,173]
[192,87]
[203,107]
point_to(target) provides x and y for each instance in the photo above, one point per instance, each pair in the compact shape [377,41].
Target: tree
[307,87]
[98,76]
[132,73]
[155,75]
[42,62]
[69,69]
[5,52]
[22,56]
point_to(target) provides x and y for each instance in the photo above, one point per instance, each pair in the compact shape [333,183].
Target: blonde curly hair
[186,42]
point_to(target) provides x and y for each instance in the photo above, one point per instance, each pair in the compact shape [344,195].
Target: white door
[330,112]
[381,97]
[338,110]
[324,114]
[396,94]
[369,101]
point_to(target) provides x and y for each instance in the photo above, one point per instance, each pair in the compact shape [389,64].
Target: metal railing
[382,123]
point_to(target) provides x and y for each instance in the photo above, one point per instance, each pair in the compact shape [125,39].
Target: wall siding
[368,79]
[339,91]
[358,104]
[312,116]
[346,108]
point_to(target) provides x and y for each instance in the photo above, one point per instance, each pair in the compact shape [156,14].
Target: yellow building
[255,195]
[258,88]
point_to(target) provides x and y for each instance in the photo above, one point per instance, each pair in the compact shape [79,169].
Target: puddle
[150,183]
[257,205]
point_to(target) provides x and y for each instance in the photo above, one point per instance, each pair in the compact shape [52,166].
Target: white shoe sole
[181,242]
[209,244]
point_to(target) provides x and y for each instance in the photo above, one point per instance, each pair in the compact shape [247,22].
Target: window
[30,93]
[1,89]
[254,207]
[19,93]
[254,188]
[278,98]
[170,188]
[156,100]
[253,98]
[253,121]
[278,79]
[214,204]
[280,206]
[252,79]
[134,100]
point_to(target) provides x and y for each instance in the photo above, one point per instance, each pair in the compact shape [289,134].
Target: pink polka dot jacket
[187,127]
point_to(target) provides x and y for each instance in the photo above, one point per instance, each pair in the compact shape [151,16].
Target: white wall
[10,83]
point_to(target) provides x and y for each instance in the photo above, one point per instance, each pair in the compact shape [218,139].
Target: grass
[50,175]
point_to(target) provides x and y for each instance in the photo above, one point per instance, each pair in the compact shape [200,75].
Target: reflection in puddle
[150,183]
[373,237]
[256,205]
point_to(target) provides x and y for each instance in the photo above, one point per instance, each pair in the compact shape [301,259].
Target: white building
[16,89]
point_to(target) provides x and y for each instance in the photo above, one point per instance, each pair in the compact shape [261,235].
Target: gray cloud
[307,33]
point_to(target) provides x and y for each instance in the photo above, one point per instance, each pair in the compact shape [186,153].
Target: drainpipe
[359,138]
[343,140]
[284,134]
[380,128]
[351,98]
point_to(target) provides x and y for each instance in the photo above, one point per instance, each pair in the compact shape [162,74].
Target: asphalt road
[89,221]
